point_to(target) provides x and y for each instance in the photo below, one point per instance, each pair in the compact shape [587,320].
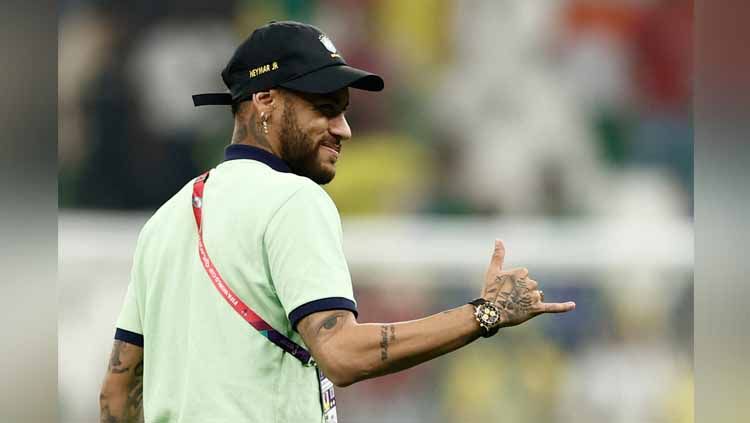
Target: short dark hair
[237,105]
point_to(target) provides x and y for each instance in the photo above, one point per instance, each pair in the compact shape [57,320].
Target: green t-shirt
[276,239]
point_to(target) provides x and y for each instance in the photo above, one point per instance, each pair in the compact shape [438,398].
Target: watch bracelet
[486,333]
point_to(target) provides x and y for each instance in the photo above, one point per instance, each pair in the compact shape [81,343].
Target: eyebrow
[330,100]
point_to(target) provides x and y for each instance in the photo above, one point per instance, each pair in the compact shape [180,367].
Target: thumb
[498,255]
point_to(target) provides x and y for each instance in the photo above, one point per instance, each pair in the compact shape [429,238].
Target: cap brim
[333,78]
[212,99]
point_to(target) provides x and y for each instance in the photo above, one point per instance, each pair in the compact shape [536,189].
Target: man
[267,239]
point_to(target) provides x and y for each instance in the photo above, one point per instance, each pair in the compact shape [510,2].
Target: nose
[339,127]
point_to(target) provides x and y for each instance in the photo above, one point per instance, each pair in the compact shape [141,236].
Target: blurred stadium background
[562,127]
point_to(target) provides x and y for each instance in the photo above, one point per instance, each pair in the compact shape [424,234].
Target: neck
[246,133]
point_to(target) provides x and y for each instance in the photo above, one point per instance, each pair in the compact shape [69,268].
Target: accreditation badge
[327,398]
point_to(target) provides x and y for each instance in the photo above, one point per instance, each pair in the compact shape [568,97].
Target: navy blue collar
[244,151]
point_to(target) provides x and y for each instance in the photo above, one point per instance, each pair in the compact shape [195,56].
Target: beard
[300,151]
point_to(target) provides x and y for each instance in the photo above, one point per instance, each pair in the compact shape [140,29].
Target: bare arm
[121,397]
[349,352]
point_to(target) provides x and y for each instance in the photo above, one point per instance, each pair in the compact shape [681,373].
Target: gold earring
[264,121]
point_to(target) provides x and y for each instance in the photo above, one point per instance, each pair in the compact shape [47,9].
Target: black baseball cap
[291,55]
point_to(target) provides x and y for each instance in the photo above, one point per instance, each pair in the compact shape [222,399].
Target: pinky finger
[557,307]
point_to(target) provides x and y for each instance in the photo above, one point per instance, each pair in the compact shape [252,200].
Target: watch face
[488,314]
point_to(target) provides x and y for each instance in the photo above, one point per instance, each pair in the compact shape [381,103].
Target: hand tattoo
[513,297]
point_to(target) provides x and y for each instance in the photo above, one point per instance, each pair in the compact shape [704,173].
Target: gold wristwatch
[488,316]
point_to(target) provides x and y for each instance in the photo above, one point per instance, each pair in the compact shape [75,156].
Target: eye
[328,110]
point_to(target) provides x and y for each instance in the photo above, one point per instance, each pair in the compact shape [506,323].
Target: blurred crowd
[614,359]
[556,108]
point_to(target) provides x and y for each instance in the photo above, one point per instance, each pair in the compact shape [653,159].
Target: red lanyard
[226,292]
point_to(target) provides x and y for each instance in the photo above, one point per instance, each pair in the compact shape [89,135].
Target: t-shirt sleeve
[303,241]
[129,326]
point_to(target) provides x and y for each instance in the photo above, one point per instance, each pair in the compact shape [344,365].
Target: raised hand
[516,295]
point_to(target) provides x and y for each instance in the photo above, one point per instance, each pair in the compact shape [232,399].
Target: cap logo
[328,44]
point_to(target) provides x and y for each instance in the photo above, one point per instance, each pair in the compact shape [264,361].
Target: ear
[265,101]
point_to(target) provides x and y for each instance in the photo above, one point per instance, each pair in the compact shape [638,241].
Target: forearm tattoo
[386,340]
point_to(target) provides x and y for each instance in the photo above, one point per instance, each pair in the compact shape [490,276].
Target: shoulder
[280,191]
[307,188]
[308,195]
[292,184]
[306,208]
[161,220]
[240,177]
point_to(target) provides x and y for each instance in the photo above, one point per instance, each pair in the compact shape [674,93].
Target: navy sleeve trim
[129,337]
[323,304]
